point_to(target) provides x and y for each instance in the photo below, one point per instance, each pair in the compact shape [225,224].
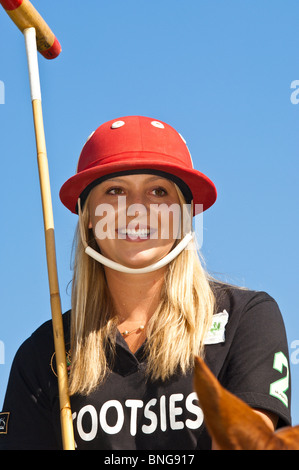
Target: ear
[229,421]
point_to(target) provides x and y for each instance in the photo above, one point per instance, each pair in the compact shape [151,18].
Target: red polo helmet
[137,144]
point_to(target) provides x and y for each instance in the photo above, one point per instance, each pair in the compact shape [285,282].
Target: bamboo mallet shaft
[65,408]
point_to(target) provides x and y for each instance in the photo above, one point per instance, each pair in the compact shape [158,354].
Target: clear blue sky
[221,74]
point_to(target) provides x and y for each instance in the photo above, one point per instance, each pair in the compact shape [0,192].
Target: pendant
[127,333]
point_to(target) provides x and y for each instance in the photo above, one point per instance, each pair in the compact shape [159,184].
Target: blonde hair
[175,332]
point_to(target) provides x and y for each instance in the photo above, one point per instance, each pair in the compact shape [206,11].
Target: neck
[135,297]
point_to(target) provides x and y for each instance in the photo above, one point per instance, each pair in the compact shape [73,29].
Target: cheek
[102,222]
[106,247]
[170,225]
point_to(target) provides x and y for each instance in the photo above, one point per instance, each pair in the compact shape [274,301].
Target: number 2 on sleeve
[280,386]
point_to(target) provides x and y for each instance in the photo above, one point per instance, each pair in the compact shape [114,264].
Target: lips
[135,233]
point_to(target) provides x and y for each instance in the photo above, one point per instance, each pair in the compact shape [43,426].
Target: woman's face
[135,218]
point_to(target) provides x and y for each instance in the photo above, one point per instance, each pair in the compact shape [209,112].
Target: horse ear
[289,436]
[229,421]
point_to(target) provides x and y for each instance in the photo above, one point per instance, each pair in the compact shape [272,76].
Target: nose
[137,204]
[132,206]
[136,197]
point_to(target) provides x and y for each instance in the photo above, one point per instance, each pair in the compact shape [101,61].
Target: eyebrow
[149,179]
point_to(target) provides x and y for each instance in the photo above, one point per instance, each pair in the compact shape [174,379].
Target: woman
[142,308]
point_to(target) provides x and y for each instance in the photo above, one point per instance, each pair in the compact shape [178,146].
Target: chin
[138,263]
[139,259]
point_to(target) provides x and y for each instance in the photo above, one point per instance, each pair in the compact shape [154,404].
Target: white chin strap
[124,269]
[148,269]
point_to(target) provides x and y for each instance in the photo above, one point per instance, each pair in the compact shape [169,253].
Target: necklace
[127,333]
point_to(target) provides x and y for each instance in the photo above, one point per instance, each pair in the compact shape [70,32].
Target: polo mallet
[38,36]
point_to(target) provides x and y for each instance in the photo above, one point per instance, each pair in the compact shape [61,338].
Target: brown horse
[232,423]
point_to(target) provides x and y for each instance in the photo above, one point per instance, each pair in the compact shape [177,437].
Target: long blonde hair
[175,332]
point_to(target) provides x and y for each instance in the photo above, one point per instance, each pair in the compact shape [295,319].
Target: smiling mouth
[135,233]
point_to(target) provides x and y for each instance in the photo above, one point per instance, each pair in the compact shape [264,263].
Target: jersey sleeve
[27,410]
[257,367]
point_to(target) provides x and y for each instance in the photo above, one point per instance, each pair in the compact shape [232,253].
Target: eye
[159,192]
[115,191]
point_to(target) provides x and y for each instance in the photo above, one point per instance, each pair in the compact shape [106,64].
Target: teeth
[143,232]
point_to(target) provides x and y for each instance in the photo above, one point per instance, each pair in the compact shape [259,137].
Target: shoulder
[249,312]
[39,347]
[245,321]
[45,331]
[238,297]
[31,397]
[253,360]
[239,301]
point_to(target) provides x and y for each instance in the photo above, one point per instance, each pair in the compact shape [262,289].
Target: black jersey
[246,349]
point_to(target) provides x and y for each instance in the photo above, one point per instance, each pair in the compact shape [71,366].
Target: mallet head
[24,15]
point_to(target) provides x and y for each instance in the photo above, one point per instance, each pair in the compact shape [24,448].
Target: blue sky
[221,74]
